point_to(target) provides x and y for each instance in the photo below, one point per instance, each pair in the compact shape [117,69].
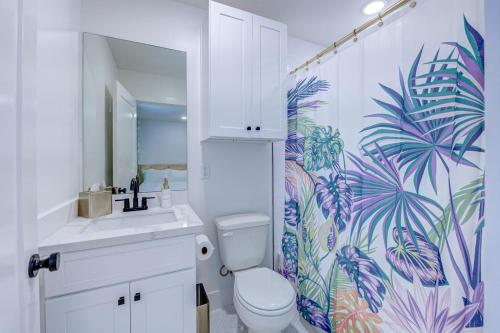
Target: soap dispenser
[166,196]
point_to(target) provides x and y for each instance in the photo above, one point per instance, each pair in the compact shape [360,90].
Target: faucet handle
[145,202]
[126,203]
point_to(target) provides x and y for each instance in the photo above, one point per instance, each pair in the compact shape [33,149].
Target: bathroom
[238,167]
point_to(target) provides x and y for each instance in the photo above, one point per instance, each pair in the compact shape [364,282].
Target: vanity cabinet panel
[146,287]
[164,304]
[105,310]
[269,78]
[230,71]
[83,270]
[247,74]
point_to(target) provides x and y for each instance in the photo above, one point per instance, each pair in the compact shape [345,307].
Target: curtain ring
[318,60]
[413,4]
[355,39]
[307,65]
[335,51]
[380,20]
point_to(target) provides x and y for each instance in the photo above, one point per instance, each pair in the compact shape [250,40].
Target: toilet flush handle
[227,234]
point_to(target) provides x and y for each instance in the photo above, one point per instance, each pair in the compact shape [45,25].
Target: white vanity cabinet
[247,76]
[101,310]
[146,287]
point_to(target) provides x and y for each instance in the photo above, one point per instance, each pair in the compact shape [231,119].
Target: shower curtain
[384,207]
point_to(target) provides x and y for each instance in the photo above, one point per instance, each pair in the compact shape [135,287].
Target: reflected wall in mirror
[134,115]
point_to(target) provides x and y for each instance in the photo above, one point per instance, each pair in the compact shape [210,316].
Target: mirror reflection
[134,115]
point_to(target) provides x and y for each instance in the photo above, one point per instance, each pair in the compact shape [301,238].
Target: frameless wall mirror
[134,115]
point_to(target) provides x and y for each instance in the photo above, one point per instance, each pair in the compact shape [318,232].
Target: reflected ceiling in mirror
[134,115]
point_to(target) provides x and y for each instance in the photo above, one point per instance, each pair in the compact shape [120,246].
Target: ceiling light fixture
[373,7]
[184,118]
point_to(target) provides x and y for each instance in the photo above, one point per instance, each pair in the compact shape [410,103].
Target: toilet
[264,300]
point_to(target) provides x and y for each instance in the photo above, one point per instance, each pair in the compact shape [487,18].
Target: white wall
[100,73]
[161,141]
[58,112]
[240,173]
[491,267]
[154,88]
[300,50]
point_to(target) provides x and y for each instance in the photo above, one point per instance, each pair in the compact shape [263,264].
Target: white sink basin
[131,220]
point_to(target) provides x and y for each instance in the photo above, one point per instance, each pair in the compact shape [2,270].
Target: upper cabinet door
[230,71]
[105,310]
[164,304]
[269,78]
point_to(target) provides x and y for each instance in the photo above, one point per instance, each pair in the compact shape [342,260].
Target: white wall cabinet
[247,76]
[147,287]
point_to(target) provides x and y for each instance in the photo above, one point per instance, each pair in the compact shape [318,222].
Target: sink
[132,220]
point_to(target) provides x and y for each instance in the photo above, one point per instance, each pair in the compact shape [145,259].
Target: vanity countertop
[77,235]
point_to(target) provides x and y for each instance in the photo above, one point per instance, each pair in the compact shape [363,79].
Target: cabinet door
[164,304]
[230,71]
[269,78]
[105,310]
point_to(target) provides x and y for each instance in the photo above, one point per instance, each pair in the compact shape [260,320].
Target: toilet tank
[242,239]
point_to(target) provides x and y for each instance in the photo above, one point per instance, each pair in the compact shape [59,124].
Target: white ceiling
[147,58]
[318,21]
[157,111]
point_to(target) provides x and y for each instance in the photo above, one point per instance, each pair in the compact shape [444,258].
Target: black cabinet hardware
[137,297]
[51,263]
[249,128]
[257,128]
[121,301]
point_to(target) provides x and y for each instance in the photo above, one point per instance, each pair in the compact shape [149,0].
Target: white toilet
[264,300]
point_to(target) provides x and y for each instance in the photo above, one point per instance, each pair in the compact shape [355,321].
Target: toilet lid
[264,289]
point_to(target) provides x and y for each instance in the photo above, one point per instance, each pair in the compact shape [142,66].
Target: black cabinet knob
[249,128]
[121,301]
[51,263]
[257,128]
[137,297]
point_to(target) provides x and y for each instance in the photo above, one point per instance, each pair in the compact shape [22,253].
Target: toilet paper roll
[204,248]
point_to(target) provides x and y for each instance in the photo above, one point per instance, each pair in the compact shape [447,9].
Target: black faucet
[134,186]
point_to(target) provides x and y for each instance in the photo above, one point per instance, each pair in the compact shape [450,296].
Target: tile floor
[225,320]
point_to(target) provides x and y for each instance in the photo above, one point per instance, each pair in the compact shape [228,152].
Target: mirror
[134,115]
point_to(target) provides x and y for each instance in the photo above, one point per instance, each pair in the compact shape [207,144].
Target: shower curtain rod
[354,34]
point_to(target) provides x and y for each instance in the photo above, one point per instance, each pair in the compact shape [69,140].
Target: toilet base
[254,331]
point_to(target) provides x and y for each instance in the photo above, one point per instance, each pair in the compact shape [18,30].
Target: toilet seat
[264,292]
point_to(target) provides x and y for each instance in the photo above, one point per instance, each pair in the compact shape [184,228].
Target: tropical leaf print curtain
[384,208]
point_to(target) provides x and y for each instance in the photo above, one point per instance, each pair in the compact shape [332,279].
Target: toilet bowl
[264,300]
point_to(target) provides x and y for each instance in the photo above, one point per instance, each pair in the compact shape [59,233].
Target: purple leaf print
[421,260]
[334,197]
[425,312]
[292,213]
[477,298]
[313,313]
[304,89]
[290,250]
[365,274]
[294,150]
